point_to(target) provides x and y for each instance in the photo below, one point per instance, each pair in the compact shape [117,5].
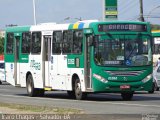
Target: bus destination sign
[122,27]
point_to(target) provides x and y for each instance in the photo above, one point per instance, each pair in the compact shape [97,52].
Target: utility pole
[141,11]
[103,11]
[34,12]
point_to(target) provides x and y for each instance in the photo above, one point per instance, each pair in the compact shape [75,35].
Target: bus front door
[46,60]
[87,63]
[16,61]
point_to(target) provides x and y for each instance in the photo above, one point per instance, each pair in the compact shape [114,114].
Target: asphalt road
[106,103]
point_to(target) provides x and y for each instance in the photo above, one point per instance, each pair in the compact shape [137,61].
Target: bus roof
[90,23]
[49,27]
[18,28]
[76,25]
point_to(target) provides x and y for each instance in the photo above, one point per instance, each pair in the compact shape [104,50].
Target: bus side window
[36,43]
[26,39]
[67,42]
[10,43]
[77,42]
[56,42]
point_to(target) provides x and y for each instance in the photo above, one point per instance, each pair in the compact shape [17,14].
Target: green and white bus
[156,45]
[84,57]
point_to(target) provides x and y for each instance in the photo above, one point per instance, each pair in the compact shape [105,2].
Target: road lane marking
[113,103]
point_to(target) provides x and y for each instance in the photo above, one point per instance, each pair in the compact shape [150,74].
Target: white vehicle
[2,72]
[156,45]
[156,76]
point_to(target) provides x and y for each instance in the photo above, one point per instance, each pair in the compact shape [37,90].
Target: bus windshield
[126,50]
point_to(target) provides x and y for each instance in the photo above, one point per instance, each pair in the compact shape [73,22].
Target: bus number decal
[35,65]
[112,78]
[70,61]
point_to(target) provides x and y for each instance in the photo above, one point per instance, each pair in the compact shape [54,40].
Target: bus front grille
[125,73]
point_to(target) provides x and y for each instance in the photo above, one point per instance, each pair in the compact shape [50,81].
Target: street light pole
[34,12]
[103,10]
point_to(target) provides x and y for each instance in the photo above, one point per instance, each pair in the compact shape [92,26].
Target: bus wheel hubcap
[29,88]
[78,89]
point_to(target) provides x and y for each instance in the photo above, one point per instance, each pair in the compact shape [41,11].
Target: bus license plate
[125,87]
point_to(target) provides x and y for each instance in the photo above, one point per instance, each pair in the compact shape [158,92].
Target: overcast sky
[20,12]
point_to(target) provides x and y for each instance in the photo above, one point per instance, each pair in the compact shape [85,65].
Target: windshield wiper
[131,52]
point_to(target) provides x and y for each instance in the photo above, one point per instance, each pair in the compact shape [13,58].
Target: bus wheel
[0,82]
[40,92]
[79,95]
[71,94]
[153,89]
[30,86]
[32,92]
[127,95]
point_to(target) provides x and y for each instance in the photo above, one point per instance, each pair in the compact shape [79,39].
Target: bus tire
[127,95]
[30,87]
[153,89]
[0,82]
[71,94]
[79,95]
[32,92]
[40,92]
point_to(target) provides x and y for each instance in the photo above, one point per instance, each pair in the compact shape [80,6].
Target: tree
[1,45]
[155,27]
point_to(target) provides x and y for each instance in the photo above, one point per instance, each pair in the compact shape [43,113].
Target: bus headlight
[100,78]
[147,78]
